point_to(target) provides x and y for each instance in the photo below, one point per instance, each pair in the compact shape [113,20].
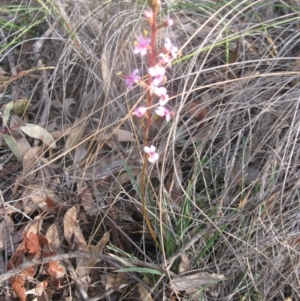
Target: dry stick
[37,56]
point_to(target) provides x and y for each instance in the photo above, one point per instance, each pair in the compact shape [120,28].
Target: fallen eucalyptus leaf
[37,132]
[194,281]
[19,107]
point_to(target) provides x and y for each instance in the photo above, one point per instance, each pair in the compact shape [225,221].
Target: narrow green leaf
[14,147]
[140,270]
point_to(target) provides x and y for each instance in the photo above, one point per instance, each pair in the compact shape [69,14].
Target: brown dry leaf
[17,284]
[53,237]
[31,237]
[36,196]
[121,279]
[71,229]
[56,269]
[111,280]
[39,289]
[121,135]
[144,293]
[30,157]
[18,257]
[32,243]
[185,264]
[194,281]
[87,199]
[76,132]
[108,280]
[98,249]
[243,202]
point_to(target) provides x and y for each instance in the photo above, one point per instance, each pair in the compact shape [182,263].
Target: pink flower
[132,78]
[169,22]
[163,112]
[166,59]
[161,92]
[170,48]
[141,46]
[148,14]
[139,112]
[152,155]
[157,72]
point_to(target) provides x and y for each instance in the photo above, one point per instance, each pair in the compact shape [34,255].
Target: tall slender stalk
[146,129]
[158,60]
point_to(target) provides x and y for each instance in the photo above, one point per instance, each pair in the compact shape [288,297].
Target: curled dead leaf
[72,229]
[144,293]
[37,132]
[195,281]
[30,157]
[184,265]
[39,289]
[98,249]
[53,237]
[17,284]
[56,269]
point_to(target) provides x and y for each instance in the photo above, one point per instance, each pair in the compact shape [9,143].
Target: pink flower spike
[163,100]
[161,92]
[139,112]
[152,155]
[170,48]
[165,59]
[132,78]
[141,46]
[157,72]
[163,112]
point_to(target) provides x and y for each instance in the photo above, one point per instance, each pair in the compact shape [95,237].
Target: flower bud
[154,5]
[169,22]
